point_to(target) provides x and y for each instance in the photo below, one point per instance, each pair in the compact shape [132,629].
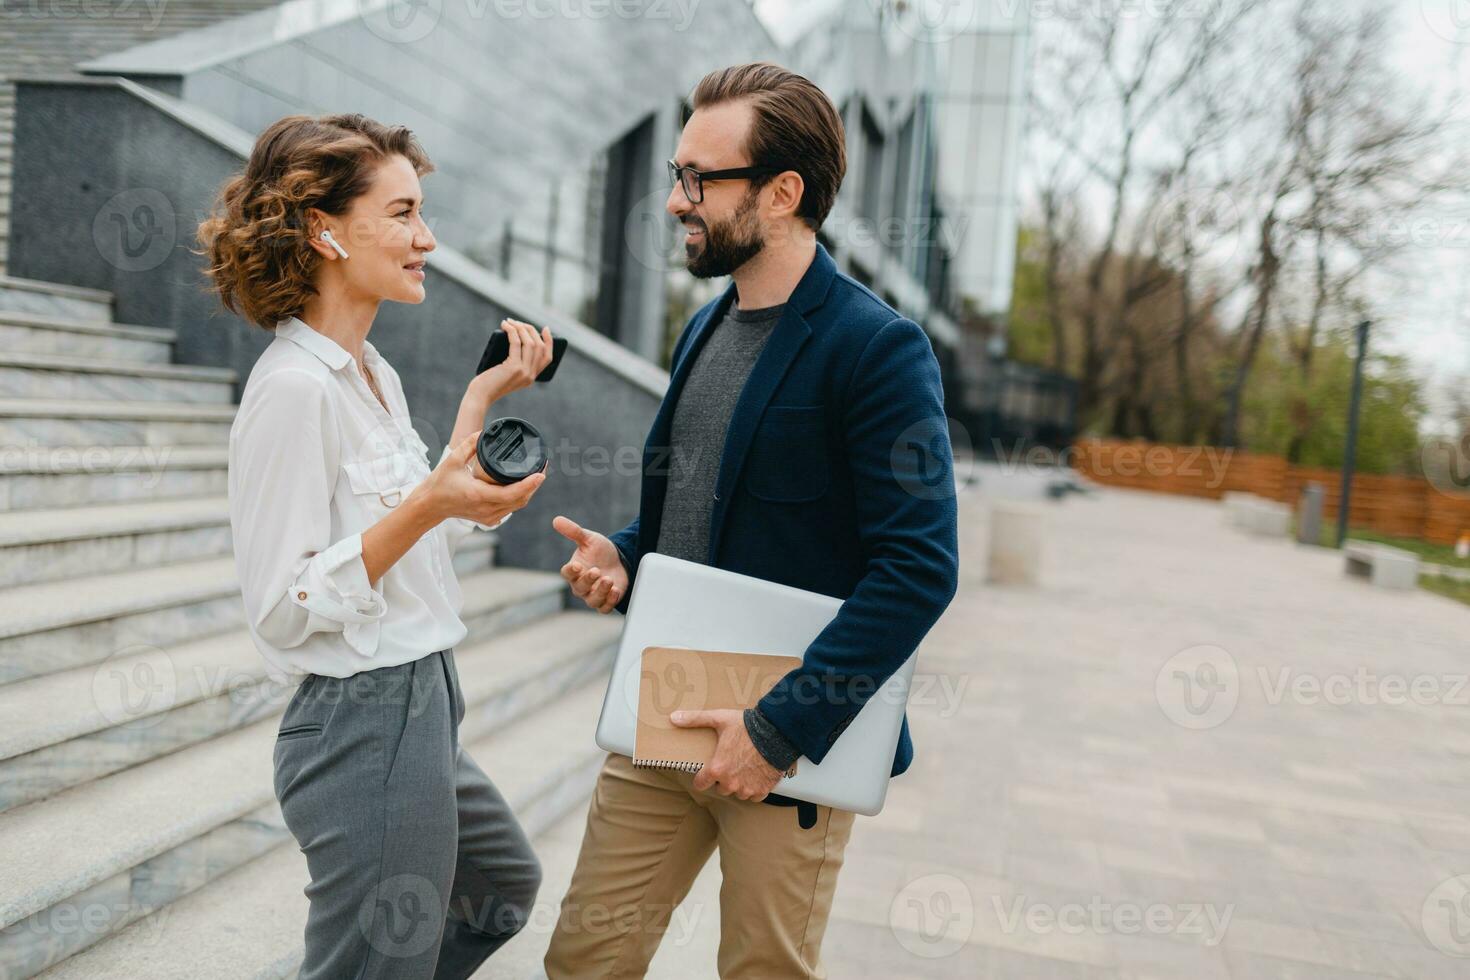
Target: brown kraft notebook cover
[676,679]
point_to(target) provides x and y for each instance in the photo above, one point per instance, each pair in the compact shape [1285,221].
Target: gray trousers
[418,867]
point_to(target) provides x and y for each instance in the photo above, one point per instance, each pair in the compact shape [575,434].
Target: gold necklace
[367,376]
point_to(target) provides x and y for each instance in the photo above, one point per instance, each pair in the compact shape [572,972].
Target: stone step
[72,478]
[67,422]
[148,836]
[56,626]
[54,544]
[34,296]
[60,625]
[69,728]
[45,334]
[48,544]
[65,376]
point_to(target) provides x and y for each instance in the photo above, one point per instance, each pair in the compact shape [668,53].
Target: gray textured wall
[91,153]
[504,95]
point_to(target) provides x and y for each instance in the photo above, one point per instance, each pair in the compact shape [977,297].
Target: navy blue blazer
[837,477]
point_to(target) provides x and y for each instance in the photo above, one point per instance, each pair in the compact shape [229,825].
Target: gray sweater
[697,443]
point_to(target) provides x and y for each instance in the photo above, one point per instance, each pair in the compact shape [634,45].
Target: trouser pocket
[307,712]
[298,731]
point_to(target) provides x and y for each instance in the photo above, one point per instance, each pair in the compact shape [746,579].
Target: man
[806,428]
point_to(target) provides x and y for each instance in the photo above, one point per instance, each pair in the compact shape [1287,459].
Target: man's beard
[728,245]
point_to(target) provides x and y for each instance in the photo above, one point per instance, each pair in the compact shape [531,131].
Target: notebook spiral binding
[667,764]
[688,766]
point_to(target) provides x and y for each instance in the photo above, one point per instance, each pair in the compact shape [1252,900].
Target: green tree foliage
[1279,403]
[1284,404]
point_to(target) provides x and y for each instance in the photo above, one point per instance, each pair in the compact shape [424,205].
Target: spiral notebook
[686,604]
[679,679]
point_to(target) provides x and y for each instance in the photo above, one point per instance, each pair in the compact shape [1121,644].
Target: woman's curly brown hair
[255,241]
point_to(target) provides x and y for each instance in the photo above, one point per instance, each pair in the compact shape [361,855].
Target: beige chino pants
[649,832]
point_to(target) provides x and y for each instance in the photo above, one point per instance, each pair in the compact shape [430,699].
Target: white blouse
[314,462]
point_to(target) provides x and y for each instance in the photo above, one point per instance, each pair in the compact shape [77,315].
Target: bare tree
[1108,81]
[1356,154]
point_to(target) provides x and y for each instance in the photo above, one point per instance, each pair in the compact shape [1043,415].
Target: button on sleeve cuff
[334,587]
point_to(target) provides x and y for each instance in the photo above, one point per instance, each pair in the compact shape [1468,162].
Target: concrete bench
[1385,567]
[1257,515]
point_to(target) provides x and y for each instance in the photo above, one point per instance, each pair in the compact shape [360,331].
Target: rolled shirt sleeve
[456,528]
[295,581]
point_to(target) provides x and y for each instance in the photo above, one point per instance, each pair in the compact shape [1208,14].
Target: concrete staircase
[139,833]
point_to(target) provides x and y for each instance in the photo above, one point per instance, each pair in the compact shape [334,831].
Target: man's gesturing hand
[594,571]
[737,768]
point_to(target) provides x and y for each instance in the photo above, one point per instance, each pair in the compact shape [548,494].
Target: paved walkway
[1189,754]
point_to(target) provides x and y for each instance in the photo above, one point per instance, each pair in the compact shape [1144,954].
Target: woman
[343,541]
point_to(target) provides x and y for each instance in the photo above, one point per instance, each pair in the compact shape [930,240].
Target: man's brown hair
[796,127]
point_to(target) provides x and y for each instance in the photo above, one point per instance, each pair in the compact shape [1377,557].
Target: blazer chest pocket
[788,456]
[385,480]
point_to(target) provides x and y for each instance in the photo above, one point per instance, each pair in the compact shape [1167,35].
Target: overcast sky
[1434,322]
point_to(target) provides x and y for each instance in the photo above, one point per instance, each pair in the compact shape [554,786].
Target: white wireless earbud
[327,237]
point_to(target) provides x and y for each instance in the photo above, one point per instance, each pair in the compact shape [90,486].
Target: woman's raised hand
[530,354]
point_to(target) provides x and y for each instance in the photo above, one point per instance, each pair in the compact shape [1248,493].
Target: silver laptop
[678,603]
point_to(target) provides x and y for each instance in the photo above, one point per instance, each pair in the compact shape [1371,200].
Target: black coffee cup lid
[510,449]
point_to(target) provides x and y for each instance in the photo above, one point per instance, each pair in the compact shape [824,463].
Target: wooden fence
[1405,506]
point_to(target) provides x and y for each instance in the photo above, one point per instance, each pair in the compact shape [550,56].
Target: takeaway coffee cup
[510,449]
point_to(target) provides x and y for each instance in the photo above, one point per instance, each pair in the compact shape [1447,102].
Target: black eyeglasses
[693,180]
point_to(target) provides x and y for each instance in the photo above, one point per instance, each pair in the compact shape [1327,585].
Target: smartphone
[498,349]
